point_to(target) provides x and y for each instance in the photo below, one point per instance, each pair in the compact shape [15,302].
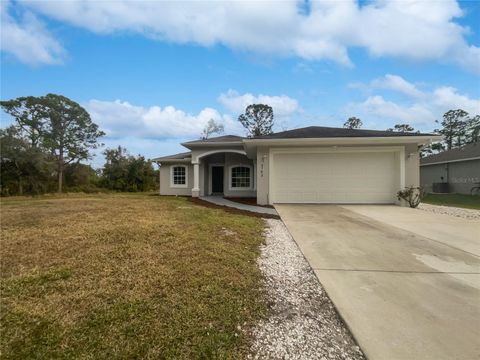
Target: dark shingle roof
[330,132]
[180,156]
[466,152]
[224,138]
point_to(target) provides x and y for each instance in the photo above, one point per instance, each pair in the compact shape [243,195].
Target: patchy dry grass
[126,276]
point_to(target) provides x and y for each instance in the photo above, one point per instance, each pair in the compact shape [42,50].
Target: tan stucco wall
[411,168]
[262,181]
[165,188]
[262,175]
[227,159]
[412,165]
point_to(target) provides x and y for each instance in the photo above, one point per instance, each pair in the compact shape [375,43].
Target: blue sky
[151,74]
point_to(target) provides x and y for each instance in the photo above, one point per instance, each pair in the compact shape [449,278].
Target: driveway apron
[406,282]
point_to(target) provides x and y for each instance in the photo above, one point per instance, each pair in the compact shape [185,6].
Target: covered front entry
[228,173]
[335,177]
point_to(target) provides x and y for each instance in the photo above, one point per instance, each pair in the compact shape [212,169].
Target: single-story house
[458,169]
[308,165]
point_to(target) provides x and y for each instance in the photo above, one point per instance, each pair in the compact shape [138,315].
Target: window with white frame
[240,177]
[178,176]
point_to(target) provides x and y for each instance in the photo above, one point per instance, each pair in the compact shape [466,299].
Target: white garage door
[334,177]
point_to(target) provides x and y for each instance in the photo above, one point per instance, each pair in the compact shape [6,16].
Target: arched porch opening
[228,173]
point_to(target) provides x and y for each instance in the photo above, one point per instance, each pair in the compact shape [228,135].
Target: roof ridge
[217,138]
[327,131]
[464,152]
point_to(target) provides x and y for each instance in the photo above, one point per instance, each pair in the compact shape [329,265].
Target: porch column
[159,180]
[196,180]
[255,174]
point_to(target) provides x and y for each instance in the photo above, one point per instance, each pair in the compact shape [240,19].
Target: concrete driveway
[406,282]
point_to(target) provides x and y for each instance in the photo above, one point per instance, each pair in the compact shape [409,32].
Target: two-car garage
[326,165]
[335,176]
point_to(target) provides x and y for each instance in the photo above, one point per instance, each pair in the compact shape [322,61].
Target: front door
[217,179]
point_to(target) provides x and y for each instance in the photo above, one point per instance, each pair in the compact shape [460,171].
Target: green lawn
[457,200]
[118,276]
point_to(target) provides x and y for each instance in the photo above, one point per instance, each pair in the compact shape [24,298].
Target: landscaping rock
[303,323]
[450,210]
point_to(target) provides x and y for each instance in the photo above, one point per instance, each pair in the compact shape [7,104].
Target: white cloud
[283,106]
[27,39]
[150,148]
[121,119]
[156,131]
[397,83]
[389,111]
[416,30]
[422,110]
[446,97]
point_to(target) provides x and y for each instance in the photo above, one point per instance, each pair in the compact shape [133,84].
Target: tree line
[52,135]
[43,151]
[458,128]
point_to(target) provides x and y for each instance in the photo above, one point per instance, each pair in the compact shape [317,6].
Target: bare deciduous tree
[212,127]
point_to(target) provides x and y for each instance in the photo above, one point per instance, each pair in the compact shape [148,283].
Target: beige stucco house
[307,165]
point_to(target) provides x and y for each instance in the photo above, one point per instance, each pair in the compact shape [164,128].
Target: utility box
[441,188]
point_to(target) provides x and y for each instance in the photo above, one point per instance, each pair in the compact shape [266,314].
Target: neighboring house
[460,168]
[308,165]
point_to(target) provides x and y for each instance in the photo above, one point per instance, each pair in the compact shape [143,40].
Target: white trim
[338,149]
[172,185]
[196,179]
[230,178]
[186,160]
[402,168]
[159,178]
[255,174]
[211,152]
[338,140]
[335,149]
[212,144]
[451,161]
[345,140]
[270,177]
[210,179]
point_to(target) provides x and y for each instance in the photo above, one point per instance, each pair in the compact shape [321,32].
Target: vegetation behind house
[46,148]
[44,151]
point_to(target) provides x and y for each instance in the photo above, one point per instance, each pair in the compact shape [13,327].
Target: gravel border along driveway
[303,323]
[450,210]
